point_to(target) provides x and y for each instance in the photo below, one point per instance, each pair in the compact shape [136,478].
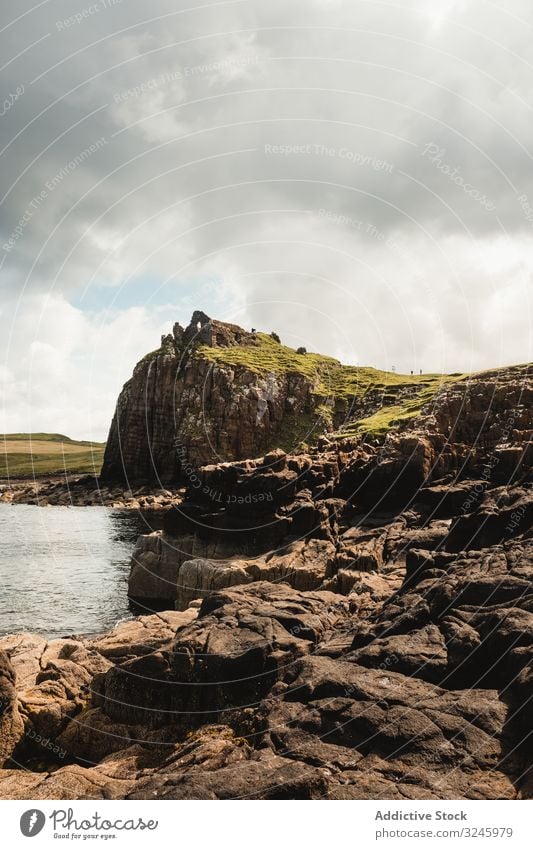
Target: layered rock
[320,521]
[181,408]
[356,623]
[255,698]
[214,392]
[11,723]
[245,522]
[46,685]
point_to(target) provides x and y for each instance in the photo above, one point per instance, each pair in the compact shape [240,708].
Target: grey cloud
[410,129]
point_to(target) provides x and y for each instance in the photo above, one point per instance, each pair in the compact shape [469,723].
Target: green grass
[151,356]
[336,388]
[331,378]
[394,416]
[298,432]
[24,455]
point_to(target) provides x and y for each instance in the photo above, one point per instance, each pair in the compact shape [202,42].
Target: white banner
[241,825]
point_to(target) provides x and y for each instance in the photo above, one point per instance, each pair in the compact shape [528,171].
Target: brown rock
[11,723]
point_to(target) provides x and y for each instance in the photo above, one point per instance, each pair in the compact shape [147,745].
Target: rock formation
[182,407]
[214,392]
[355,622]
[321,521]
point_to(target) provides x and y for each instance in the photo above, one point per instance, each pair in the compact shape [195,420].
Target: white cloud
[66,368]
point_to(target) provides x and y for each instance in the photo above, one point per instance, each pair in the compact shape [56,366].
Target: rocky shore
[352,622]
[87,491]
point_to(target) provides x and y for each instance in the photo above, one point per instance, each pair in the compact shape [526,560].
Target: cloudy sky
[355,174]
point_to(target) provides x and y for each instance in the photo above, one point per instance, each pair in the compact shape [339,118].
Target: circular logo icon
[32,823]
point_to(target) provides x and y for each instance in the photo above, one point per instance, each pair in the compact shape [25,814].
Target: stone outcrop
[45,687]
[256,697]
[182,408]
[322,521]
[11,723]
[354,622]
[213,392]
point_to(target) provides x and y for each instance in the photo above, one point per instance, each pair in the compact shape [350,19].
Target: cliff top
[335,384]
[224,393]
[402,396]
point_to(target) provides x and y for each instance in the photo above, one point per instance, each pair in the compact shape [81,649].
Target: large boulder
[11,722]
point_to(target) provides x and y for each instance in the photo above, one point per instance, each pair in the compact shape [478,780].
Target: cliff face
[181,407]
[319,520]
[215,392]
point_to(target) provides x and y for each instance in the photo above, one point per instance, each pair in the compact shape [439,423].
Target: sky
[354,174]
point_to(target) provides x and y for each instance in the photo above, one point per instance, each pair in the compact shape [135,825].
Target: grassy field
[28,455]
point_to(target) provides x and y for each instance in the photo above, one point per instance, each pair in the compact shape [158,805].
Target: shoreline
[86,491]
[367,635]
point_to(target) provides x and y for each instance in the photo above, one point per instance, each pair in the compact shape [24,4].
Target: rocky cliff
[318,520]
[214,392]
[354,622]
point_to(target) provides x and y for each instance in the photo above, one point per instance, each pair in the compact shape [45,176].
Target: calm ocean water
[64,570]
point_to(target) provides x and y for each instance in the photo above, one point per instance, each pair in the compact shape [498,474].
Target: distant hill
[28,455]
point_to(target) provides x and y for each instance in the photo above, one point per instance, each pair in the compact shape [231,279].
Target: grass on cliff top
[340,384]
[25,455]
[331,377]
